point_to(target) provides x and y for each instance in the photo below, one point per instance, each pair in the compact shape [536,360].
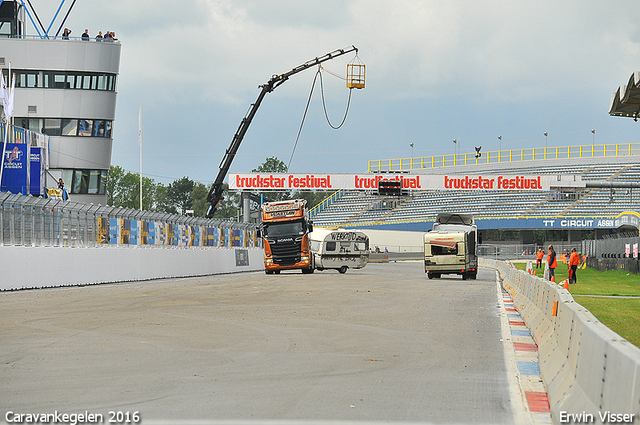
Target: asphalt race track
[381,343]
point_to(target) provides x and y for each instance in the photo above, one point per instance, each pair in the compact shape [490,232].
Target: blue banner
[133,240]
[36,174]
[627,219]
[152,233]
[113,231]
[14,174]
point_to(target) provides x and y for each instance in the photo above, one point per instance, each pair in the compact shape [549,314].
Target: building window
[52,127]
[64,80]
[71,81]
[93,182]
[84,129]
[98,128]
[67,178]
[67,126]
[103,182]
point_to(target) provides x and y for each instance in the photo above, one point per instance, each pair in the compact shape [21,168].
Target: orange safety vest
[540,254]
[555,261]
[574,260]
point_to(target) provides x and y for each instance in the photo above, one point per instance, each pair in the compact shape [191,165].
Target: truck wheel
[307,271]
[430,275]
[268,271]
[276,271]
[474,275]
[464,276]
[343,269]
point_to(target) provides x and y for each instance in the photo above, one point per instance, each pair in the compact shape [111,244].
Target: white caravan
[339,249]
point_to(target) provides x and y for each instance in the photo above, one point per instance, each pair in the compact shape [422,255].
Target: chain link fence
[36,221]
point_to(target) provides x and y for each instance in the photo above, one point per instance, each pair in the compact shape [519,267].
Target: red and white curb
[529,398]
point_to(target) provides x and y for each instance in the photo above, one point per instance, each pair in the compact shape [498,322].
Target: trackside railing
[36,221]
[514,155]
[325,204]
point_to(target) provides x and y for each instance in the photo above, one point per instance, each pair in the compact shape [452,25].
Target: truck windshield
[284,229]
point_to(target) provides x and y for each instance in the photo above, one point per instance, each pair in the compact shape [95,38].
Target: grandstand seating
[356,207]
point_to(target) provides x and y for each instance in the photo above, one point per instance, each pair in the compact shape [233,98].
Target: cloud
[435,71]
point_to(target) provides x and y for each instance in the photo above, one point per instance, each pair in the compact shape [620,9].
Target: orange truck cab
[285,232]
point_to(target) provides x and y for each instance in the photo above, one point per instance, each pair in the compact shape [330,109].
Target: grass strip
[621,315]
[618,314]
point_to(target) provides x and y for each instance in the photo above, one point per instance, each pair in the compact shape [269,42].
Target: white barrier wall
[586,367]
[38,267]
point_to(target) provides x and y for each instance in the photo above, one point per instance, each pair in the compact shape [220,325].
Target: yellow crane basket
[355,75]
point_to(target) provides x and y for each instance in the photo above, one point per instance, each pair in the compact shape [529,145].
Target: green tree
[199,195]
[162,201]
[271,165]
[179,194]
[274,165]
[116,174]
[229,205]
[123,190]
[313,197]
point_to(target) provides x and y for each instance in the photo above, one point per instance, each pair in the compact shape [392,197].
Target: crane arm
[215,193]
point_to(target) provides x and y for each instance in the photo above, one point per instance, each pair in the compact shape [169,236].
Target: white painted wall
[38,267]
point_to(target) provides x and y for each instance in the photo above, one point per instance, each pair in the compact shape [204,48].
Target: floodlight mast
[215,193]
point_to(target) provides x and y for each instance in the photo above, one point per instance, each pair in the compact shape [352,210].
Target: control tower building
[66,87]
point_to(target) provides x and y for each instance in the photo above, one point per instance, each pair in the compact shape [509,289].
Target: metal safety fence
[37,221]
[510,155]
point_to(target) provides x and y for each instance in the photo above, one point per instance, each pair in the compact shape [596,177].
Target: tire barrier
[592,374]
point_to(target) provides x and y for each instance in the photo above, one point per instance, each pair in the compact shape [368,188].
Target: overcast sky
[435,71]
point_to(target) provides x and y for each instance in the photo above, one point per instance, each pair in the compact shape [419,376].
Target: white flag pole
[140,138]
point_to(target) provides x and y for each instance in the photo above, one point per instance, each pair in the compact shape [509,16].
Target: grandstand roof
[625,102]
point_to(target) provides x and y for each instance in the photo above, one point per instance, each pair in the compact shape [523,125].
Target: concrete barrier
[588,369]
[383,257]
[40,267]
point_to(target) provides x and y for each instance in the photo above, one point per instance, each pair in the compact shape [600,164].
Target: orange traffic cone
[566,284]
[553,278]
[534,273]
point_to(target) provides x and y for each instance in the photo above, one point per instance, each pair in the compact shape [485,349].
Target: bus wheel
[343,269]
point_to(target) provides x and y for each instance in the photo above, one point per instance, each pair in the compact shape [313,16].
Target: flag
[4,94]
[13,89]
[7,97]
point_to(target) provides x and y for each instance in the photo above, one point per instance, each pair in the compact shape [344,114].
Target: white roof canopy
[625,102]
